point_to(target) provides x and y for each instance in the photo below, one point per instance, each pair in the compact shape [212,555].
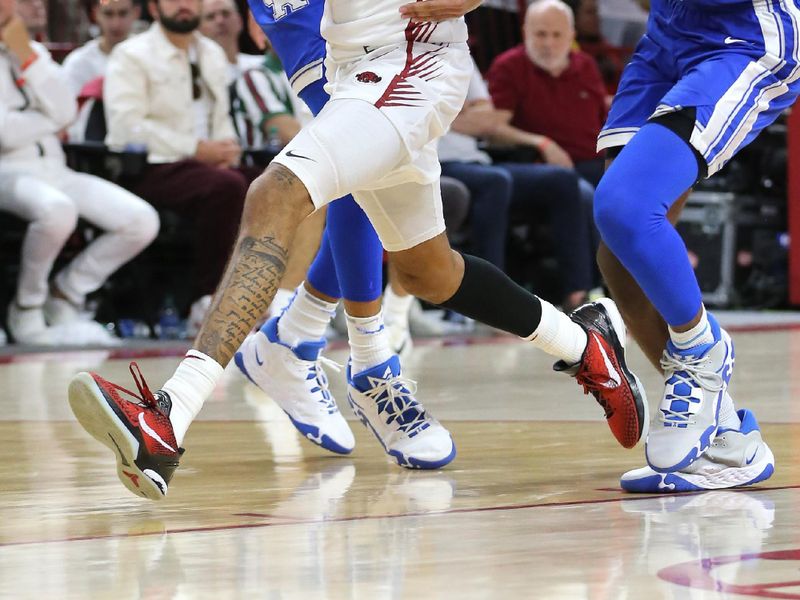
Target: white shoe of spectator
[27,326]
[70,326]
[58,311]
[197,313]
[83,332]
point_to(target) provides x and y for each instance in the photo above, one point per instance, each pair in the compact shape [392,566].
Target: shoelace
[395,398]
[689,371]
[145,397]
[595,384]
[318,374]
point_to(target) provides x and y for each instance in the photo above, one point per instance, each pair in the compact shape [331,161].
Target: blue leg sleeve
[631,204]
[322,272]
[357,251]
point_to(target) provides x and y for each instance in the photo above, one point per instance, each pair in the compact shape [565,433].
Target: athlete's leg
[643,320]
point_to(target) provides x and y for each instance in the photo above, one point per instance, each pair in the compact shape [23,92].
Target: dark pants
[490,191]
[209,198]
[543,191]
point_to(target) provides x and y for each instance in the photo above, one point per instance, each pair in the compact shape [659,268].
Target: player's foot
[138,431]
[603,371]
[384,401]
[295,380]
[735,458]
[688,416]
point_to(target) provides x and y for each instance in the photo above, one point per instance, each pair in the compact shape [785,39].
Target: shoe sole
[308,431]
[98,418]
[694,482]
[622,336]
[408,462]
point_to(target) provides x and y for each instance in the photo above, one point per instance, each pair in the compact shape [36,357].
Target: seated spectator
[37,186]
[264,108]
[547,88]
[86,66]
[525,192]
[223,23]
[610,59]
[115,19]
[34,14]
[167,89]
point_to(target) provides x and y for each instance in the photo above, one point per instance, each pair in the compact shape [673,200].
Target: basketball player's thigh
[350,145]
[404,215]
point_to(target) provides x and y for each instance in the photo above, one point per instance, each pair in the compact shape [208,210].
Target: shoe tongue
[693,352]
[385,370]
[309,351]
[163,402]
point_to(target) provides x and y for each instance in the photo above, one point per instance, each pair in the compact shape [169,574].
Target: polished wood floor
[530,508]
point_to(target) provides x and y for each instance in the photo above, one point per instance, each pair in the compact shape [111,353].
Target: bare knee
[432,274]
[277,196]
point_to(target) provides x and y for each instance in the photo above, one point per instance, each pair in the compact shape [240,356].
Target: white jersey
[355,26]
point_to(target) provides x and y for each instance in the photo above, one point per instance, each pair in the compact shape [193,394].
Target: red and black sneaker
[139,432]
[603,372]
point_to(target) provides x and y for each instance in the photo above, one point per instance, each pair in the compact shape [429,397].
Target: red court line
[287,522]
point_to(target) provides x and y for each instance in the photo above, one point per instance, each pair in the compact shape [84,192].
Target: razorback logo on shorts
[368,77]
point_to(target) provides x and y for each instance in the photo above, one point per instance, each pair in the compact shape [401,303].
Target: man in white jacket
[167,89]
[36,104]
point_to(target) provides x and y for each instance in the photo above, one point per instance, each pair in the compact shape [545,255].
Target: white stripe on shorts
[306,76]
[733,100]
[611,138]
[765,96]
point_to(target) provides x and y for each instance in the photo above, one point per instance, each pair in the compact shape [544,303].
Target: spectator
[610,59]
[223,23]
[526,191]
[86,66]
[166,88]
[35,105]
[545,87]
[115,19]
[34,14]
[263,104]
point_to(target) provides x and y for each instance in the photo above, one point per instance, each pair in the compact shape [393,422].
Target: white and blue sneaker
[384,401]
[295,380]
[735,458]
[688,417]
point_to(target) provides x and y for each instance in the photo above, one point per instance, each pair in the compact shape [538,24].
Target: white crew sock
[558,335]
[192,383]
[697,335]
[306,318]
[396,308]
[369,342]
[728,419]
[283,297]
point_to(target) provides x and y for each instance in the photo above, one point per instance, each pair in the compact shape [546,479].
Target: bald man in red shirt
[546,87]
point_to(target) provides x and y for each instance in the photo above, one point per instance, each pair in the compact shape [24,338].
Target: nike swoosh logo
[370,332]
[152,433]
[258,358]
[731,40]
[613,374]
[752,458]
[292,154]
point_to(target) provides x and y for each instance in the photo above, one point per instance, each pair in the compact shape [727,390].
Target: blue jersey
[292,27]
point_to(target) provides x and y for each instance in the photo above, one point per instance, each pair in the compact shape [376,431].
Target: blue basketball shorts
[736,65]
